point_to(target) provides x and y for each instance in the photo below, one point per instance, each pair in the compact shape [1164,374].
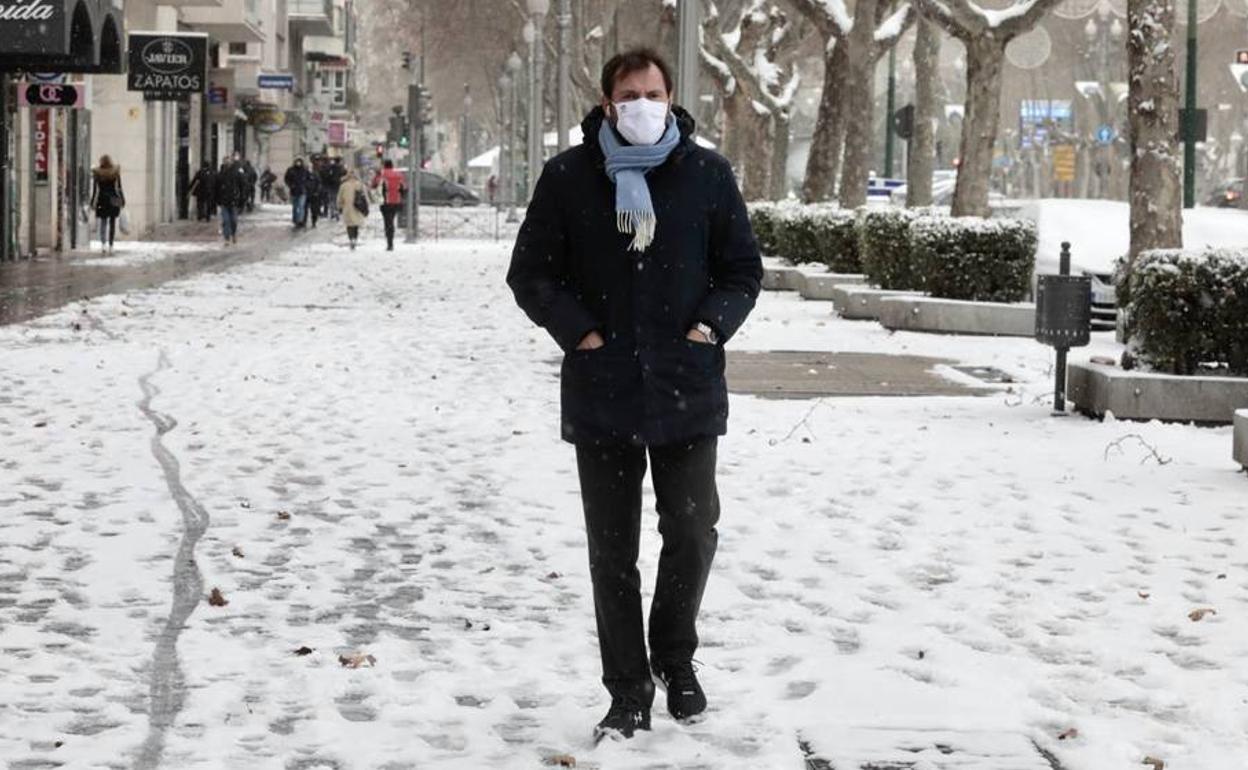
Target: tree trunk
[779,156]
[984,59]
[736,111]
[1153,107]
[758,151]
[860,103]
[922,152]
[824,161]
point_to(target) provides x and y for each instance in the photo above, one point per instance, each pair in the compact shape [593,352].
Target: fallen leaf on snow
[217,599]
[238,552]
[358,660]
[283,515]
[1143,594]
[1068,735]
[304,650]
[561,760]
[1199,615]
[1221,576]
[1156,763]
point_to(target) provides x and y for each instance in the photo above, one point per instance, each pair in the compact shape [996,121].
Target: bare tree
[848,79]
[1153,101]
[870,38]
[762,91]
[922,153]
[985,35]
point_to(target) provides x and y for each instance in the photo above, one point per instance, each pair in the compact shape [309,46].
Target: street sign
[1105,134]
[51,95]
[278,82]
[1200,127]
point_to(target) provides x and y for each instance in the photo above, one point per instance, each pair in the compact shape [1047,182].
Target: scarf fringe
[641,224]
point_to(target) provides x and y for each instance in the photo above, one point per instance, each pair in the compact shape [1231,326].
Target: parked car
[1227,194]
[439,191]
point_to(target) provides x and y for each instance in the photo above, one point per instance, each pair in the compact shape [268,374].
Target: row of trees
[749,55]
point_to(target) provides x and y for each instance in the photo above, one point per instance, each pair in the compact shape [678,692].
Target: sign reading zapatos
[168,65]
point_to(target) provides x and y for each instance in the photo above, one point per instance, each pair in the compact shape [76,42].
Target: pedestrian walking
[352,201]
[202,185]
[393,187]
[296,180]
[332,175]
[252,177]
[636,255]
[231,197]
[266,185]
[491,188]
[108,199]
[315,196]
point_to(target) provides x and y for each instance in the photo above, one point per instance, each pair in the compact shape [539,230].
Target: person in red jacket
[393,188]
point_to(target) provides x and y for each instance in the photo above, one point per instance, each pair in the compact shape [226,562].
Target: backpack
[361,203]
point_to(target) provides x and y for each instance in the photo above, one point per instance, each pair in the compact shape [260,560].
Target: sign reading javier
[168,65]
[32,26]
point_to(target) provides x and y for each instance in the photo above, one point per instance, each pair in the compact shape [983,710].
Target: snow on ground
[1099,231]
[131,253]
[368,443]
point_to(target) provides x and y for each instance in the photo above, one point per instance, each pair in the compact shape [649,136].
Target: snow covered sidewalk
[359,452]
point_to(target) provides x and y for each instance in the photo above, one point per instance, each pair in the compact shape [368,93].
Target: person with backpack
[393,187]
[266,185]
[108,199]
[352,201]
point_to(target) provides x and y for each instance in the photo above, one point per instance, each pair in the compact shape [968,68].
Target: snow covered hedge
[884,248]
[1190,308]
[969,258]
[807,233]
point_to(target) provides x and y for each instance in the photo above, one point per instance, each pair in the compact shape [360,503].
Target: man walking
[231,195]
[202,186]
[296,180]
[637,256]
[393,187]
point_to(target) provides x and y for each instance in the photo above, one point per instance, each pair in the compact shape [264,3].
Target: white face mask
[641,121]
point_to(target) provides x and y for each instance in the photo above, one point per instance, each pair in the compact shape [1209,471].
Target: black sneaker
[625,717]
[678,679]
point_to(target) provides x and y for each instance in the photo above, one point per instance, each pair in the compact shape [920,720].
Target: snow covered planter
[801,233]
[884,248]
[969,258]
[1188,310]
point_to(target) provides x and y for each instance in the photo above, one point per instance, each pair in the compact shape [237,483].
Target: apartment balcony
[310,17]
[320,48]
[233,21]
[193,3]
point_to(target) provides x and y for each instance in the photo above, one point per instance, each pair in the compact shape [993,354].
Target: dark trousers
[688,508]
[388,212]
[203,208]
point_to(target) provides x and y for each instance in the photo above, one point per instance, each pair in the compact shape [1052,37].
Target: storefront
[41,40]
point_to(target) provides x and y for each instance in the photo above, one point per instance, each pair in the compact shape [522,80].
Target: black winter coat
[297,180]
[231,186]
[572,273]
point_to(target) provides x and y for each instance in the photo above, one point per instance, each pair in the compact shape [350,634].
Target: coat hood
[107,174]
[593,122]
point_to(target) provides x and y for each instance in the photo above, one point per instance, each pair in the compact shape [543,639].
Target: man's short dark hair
[387,163]
[630,61]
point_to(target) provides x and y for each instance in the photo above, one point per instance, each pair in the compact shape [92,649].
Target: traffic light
[424,106]
[903,122]
[407,60]
[397,134]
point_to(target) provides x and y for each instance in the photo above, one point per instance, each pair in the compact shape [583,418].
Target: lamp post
[688,60]
[1189,123]
[537,48]
[513,66]
[464,134]
[564,83]
[504,132]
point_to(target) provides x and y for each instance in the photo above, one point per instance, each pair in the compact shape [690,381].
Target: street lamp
[464,135]
[504,133]
[514,65]
[537,48]
[564,82]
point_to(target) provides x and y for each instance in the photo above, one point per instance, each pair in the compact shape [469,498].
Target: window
[333,83]
[238,49]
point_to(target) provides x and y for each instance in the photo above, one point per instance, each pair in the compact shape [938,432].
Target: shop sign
[276,81]
[42,126]
[32,26]
[268,121]
[167,65]
[51,95]
[338,132]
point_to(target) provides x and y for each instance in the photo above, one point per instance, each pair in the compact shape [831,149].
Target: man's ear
[608,109]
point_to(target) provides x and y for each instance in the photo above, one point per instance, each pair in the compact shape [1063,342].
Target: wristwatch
[708,332]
